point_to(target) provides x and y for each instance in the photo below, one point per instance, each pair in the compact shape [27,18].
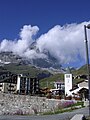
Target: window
[67,76]
[0,85]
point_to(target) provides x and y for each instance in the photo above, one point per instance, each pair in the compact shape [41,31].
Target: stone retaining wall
[22,104]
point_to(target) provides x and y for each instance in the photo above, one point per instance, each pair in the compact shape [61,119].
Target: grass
[24,69]
[59,111]
[79,103]
[68,109]
[49,82]
[81,70]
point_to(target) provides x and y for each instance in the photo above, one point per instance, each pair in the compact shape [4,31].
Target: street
[62,116]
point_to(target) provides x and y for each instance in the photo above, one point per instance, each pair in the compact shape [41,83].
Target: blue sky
[45,14]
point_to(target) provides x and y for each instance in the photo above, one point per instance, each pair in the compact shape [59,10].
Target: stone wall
[23,105]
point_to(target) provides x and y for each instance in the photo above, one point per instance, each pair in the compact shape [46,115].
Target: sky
[56,25]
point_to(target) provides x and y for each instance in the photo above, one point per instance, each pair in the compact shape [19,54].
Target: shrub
[65,103]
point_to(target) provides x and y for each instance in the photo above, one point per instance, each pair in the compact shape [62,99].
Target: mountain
[49,62]
[9,57]
[16,64]
[82,70]
[26,70]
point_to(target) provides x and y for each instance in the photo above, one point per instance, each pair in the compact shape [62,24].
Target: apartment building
[26,85]
[8,84]
[19,84]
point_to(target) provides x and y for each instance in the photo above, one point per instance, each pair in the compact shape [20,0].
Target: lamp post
[87,60]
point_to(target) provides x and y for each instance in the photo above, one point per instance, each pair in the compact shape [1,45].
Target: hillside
[46,77]
[81,70]
[48,62]
[49,82]
[27,70]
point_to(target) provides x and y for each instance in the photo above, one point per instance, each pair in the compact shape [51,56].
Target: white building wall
[18,83]
[68,83]
[77,90]
[80,86]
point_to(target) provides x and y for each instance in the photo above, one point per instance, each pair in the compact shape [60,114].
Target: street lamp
[87,59]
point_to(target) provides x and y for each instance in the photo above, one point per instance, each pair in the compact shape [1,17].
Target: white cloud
[65,43]
[7,45]
[26,40]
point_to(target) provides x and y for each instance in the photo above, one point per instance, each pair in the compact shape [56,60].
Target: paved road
[63,116]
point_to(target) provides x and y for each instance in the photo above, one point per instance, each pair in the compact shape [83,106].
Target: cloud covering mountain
[65,43]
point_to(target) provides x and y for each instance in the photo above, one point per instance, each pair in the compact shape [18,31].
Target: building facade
[59,85]
[9,85]
[68,83]
[19,84]
[27,85]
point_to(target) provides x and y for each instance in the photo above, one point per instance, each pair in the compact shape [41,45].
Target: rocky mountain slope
[9,57]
